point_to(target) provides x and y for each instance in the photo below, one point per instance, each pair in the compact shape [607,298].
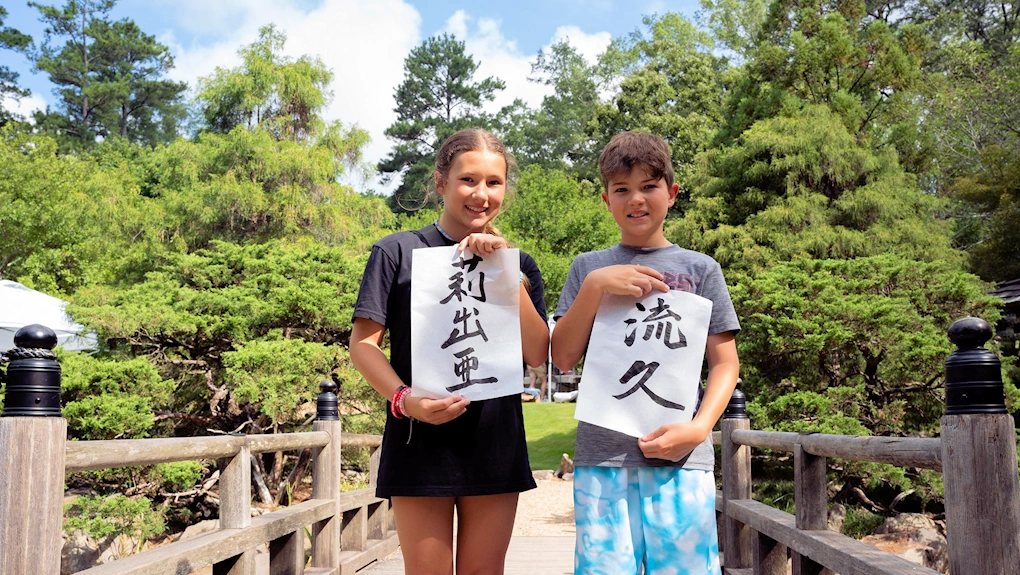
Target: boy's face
[639,203]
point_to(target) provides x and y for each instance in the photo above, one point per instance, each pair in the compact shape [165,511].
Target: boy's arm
[570,336]
[675,440]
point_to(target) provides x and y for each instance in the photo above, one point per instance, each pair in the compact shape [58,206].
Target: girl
[459,455]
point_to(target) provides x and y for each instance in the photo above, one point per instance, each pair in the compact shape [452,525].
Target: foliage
[268,91]
[860,522]
[116,515]
[109,77]
[10,39]
[851,346]
[439,95]
[551,430]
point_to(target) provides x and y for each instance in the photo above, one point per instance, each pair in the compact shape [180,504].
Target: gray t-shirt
[682,269]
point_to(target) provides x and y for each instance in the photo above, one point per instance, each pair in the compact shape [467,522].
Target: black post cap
[737,406]
[327,403]
[33,377]
[973,373]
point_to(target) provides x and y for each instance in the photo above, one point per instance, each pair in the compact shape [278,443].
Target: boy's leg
[484,526]
[678,517]
[607,516]
[425,531]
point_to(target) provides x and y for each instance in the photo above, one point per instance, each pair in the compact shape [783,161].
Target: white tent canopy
[21,306]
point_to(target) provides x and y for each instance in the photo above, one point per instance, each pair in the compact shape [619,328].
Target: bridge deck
[551,555]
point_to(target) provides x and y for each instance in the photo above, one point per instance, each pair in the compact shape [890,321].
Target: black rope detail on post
[33,376]
[737,406]
[327,404]
[973,373]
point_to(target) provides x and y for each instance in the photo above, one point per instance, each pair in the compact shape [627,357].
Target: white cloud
[591,46]
[25,106]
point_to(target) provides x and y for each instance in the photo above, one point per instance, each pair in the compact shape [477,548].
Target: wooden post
[736,482]
[979,462]
[287,554]
[326,480]
[812,504]
[235,509]
[769,557]
[32,435]
[380,518]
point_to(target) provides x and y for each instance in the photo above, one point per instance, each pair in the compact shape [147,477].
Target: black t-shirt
[482,452]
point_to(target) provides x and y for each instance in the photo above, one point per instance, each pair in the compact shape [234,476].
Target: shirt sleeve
[724,318]
[374,293]
[570,289]
[530,270]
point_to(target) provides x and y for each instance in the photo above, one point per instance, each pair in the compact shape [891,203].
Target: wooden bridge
[352,532]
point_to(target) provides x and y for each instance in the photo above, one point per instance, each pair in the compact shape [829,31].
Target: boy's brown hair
[628,150]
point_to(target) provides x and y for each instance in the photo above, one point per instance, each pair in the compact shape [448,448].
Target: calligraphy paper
[465,324]
[642,368]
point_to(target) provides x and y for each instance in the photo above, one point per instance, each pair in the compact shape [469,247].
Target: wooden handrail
[921,452]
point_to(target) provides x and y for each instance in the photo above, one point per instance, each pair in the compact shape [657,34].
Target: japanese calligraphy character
[649,368]
[458,335]
[463,369]
[457,288]
[470,263]
[661,328]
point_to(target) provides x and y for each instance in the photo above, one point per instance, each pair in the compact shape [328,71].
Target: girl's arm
[674,441]
[371,362]
[534,332]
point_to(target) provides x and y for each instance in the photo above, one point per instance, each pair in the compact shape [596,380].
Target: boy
[648,504]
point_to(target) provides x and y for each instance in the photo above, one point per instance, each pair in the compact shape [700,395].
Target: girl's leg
[425,531]
[484,526]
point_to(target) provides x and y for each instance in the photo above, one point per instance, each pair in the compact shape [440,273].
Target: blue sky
[364,41]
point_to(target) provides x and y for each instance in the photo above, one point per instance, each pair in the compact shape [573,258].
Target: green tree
[10,39]
[439,95]
[268,91]
[108,77]
[672,88]
[735,24]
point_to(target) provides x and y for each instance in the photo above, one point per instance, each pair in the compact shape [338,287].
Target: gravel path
[546,511]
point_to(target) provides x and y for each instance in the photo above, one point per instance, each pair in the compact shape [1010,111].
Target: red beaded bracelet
[397,402]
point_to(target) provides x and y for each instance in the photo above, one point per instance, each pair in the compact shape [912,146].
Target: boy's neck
[656,240]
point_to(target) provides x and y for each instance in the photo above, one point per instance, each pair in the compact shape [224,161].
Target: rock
[566,466]
[914,537]
[836,516]
[568,477]
[542,474]
[200,528]
[79,553]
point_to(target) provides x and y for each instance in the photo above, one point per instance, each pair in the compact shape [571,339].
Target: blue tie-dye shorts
[651,520]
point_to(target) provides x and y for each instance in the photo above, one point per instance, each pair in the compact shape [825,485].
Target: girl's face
[472,192]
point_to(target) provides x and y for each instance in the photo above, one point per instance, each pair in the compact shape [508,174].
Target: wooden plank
[982,494]
[738,571]
[354,530]
[922,452]
[31,493]
[835,551]
[190,555]
[812,503]
[769,556]
[322,571]
[736,484]
[86,455]
[326,486]
[362,440]
[287,554]
[286,441]
[351,500]
[352,561]
[545,555]
[235,510]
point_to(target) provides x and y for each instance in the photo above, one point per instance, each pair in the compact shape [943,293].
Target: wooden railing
[348,530]
[976,454]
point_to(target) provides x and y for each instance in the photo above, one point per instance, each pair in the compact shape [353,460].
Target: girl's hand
[435,411]
[482,244]
[672,441]
[628,280]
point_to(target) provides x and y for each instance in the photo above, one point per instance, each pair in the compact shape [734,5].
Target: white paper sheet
[465,324]
[643,364]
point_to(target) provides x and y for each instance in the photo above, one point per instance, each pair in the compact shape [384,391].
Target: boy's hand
[672,441]
[482,244]
[629,280]
[435,411]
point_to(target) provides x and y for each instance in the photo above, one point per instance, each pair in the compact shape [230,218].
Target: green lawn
[551,430]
